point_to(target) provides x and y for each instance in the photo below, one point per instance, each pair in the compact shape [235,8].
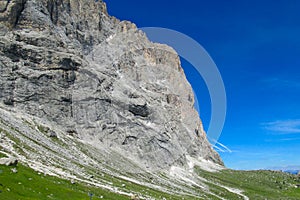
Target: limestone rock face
[100,79]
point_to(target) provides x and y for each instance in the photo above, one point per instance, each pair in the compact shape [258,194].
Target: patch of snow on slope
[203,164]
[236,191]
[184,175]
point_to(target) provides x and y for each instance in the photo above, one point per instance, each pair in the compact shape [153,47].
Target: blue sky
[256,46]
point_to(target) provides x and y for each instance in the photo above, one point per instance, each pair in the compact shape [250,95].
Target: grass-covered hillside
[256,185]
[28,184]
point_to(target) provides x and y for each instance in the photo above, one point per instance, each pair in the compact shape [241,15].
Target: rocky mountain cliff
[71,63]
[79,87]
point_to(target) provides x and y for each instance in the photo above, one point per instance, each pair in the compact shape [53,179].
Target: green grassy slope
[257,185]
[28,184]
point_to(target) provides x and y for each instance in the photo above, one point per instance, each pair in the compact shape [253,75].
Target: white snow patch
[203,164]
[150,124]
[131,180]
[184,175]
[236,191]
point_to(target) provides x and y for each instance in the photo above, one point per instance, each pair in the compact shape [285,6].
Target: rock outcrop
[100,79]
[8,161]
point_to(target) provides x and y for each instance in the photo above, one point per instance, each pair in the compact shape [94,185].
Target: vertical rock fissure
[18,9]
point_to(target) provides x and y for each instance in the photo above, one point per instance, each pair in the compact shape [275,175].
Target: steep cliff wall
[100,80]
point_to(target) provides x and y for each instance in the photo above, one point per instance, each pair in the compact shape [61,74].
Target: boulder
[9,161]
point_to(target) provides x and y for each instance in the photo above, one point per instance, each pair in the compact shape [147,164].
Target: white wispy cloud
[283,126]
[290,139]
[222,148]
[283,168]
[283,139]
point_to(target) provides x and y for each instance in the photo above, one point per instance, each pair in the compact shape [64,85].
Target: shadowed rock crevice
[139,110]
[129,139]
[17,10]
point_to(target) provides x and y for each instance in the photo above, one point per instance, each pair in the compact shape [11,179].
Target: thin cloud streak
[222,148]
[282,139]
[283,126]
[289,139]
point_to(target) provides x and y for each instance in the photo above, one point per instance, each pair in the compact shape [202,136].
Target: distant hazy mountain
[292,171]
[288,169]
